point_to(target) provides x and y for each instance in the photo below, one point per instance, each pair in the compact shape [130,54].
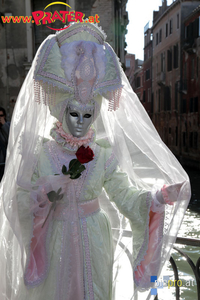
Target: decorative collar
[68,141]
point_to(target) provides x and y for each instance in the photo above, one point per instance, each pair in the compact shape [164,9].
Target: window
[160,36]
[192,69]
[176,56]
[143,96]
[169,60]
[149,95]
[195,104]
[191,104]
[157,38]
[166,30]
[159,100]
[128,63]
[185,77]
[195,140]
[138,82]
[191,139]
[199,25]
[157,66]
[176,95]
[161,62]
[186,32]
[177,21]
[183,106]
[184,139]
[162,57]
[167,98]
[170,26]
[147,74]
[196,29]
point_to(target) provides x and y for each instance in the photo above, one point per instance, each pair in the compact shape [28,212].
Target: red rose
[84,155]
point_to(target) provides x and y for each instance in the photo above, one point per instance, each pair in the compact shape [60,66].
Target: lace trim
[89,170]
[86,141]
[83,179]
[144,247]
[88,270]
[110,165]
[74,141]
[81,107]
[64,267]
[78,30]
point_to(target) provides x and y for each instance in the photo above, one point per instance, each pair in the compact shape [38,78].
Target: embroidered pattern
[78,30]
[110,165]
[88,270]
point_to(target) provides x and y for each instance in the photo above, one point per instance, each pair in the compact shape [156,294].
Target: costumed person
[4,133]
[80,140]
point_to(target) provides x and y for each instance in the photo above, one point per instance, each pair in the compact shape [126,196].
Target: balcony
[161,79]
[190,45]
[183,86]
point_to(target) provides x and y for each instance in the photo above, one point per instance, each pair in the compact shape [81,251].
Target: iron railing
[195,268]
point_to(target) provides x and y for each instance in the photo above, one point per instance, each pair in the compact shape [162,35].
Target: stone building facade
[139,79]
[20,41]
[130,68]
[190,108]
[147,99]
[168,83]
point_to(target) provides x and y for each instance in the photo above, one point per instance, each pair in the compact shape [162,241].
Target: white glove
[169,194]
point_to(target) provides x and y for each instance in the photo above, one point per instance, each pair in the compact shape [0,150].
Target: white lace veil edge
[138,149]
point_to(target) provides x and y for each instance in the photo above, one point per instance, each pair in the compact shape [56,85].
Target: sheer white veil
[137,147]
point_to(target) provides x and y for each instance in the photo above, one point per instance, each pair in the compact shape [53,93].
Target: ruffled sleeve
[146,225]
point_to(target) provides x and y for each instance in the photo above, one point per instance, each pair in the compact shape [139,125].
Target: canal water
[190,228]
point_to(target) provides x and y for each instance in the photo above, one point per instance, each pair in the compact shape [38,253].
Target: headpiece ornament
[77,63]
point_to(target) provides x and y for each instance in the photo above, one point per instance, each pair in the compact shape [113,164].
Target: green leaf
[74,164]
[59,190]
[81,168]
[52,196]
[60,197]
[64,169]
[75,176]
[68,172]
